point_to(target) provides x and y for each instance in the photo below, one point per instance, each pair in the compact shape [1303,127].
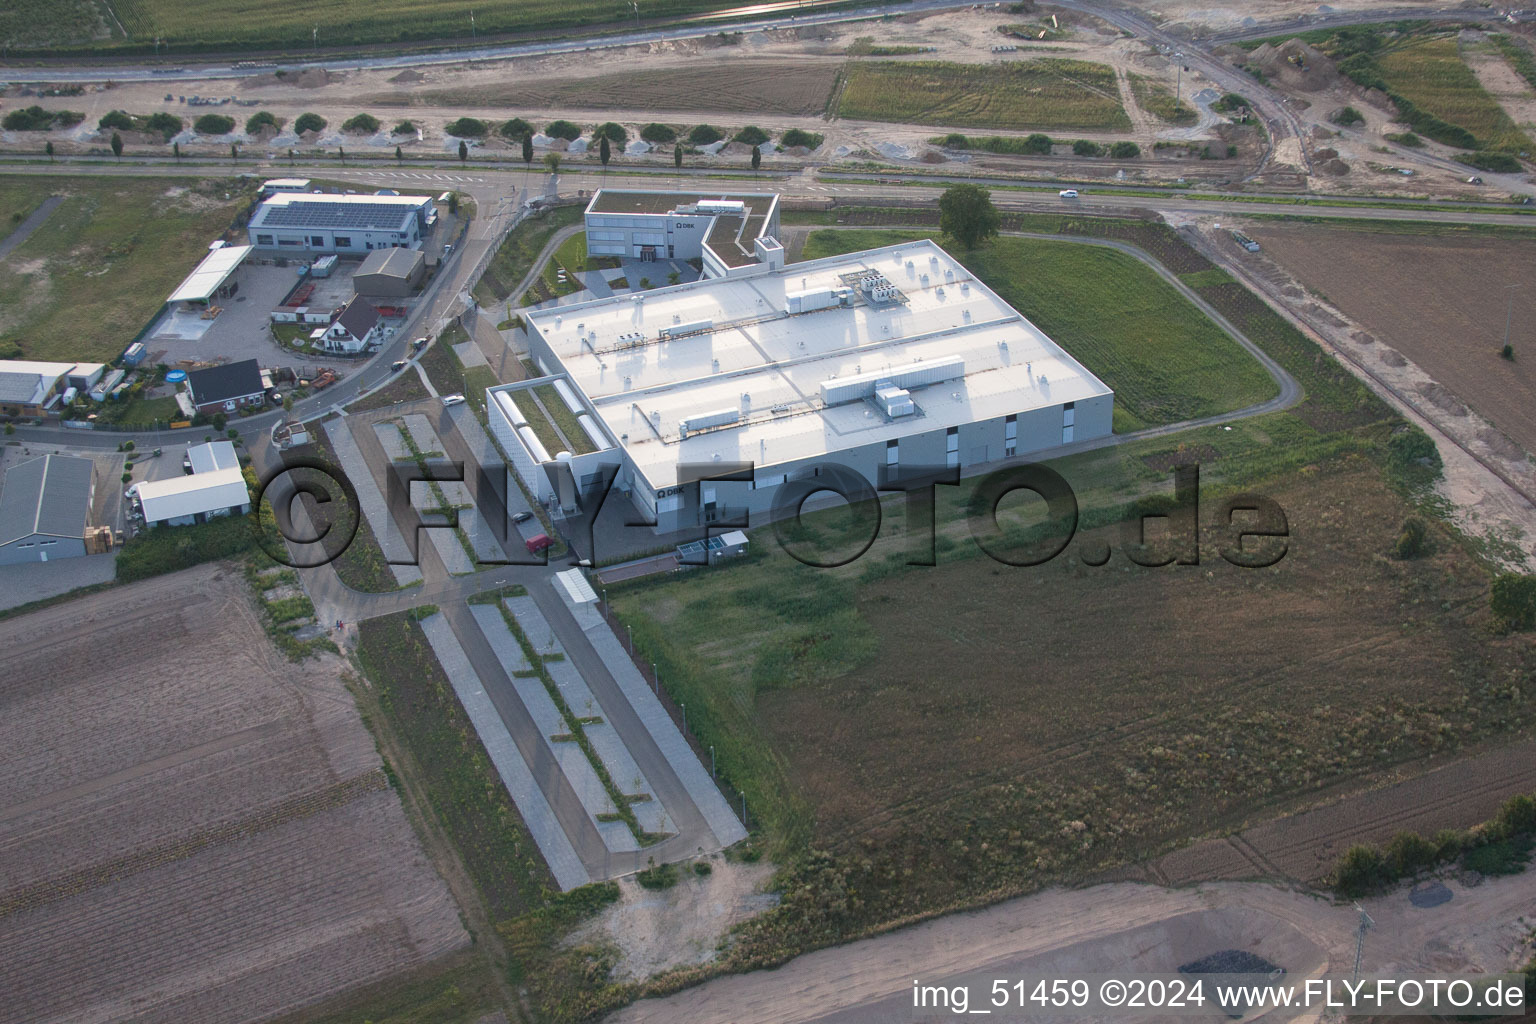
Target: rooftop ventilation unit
[704,420]
[691,327]
[722,206]
[915,375]
[895,401]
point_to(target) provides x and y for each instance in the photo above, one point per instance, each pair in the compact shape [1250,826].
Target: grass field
[231,24]
[92,276]
[1158,100]
[1049,93]
[1430,72]
[515,257]
[1165,359]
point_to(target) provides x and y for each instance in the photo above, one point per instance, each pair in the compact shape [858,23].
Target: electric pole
[1509,311]
[1366,924]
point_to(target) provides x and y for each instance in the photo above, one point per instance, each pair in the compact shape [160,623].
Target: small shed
[393,272]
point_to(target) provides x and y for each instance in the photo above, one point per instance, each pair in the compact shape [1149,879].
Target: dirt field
[194,828]
[1439,299]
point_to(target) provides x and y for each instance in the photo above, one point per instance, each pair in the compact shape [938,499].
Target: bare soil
[1440,299]
[194,829]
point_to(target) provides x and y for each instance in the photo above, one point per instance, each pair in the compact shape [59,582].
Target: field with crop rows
[1158,100]
[1430,72]
[205,24]
[1049,93]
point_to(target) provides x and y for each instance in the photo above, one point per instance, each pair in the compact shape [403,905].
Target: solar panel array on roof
[337,215]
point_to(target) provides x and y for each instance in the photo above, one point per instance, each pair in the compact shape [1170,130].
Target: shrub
[657,876]
[515,130]
[163,123]
[214,124]
[1408,853]
[799,137]
[704,134]
[1230,102]
[1508,352]
[1125,151]
[404,128]
[1412,457]
[751,135]
[117,119]
[309,122]
[1512,599]
[1408,139]
[261,119]
[1413,540]
[1038,144]
[1084,147]
[1516,817]
[658,134]
[468,128]
[614,133]
[1346,116]
[702,867]
[360,124]
[1361,871]
[36,119]
[1499,163]
[563,130]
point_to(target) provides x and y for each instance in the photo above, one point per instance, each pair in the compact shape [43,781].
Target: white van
[1068,193]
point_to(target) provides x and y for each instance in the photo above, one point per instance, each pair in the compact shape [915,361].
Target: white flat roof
[208,275]
[188,495]
[577,589]
[213,456]
[780,361]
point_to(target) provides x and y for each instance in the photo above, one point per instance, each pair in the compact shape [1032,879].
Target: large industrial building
[732,234]
[303,222]
[216,487]
[892,357]
[45,508]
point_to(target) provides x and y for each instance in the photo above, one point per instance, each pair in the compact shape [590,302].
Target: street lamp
[635,6]
[1509,310]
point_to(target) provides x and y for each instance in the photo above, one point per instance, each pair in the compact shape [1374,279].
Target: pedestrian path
[537,815]
[374,509]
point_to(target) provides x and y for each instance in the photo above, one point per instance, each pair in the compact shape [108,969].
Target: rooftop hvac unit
[705,420]
[915,375]
[719,206]
[896,401]
[812,299]
[691,327]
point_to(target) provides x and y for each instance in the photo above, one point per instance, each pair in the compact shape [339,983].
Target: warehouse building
[215,488]
[394,273]
[304,223]
[214,277]
[731,234]
[30,388]
[227,388]
[45,508]
[872,361]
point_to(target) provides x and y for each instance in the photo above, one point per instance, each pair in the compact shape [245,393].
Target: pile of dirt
[1337,168]
[408,76]
[933,156]
[1296,66]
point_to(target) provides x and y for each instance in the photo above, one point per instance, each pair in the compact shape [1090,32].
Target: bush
[1512,599]
[1361,871]
[309,122]
[515,130]
[1413,540]
[1412,457]
[657,876]
[658,134]
[36,119]
[1408,853]
[1125,151]
[614,133]
[1408,139]
[261,119]
[1084,147]
[702,867]
[1346,116]
[163,549]
[799,137]
[404,128]
[117,119]
[468,128]
[1230,102]
[1499,163]
[1516,817]
[751,135]
[214,124]
[1508,352]
[361,124]
[704,134]
[163,123]
[563,130]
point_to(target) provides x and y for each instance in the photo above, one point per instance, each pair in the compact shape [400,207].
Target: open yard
[92,276]
[1165,359]
[1432,73]
[739,85]
[196,829]
[1441,299]
[1048,94]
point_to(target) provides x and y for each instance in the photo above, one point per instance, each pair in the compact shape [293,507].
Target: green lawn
[1158,100]
[566,419]
[101,266]
[1048,93]
[515,257]
[572,255]
[1431,73]
[1164,358]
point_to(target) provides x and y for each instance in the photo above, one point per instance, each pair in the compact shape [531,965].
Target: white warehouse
[886,358]
[732,234]
[303,222]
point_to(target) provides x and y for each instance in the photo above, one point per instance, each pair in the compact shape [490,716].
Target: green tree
[552,161]
[399,156]
[259,120]
[528,149]
[1513,600]
[604,151]
[463,151]
[677,155]
[967,215]
[234,151]
[309,122]
[341,152]
[674,277]
[117,145]
[48,148]
[757,157]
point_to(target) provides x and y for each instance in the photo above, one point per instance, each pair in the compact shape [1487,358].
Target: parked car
[397,366]
[1474,180]
[1068,193]
[419,343]
[453,399]
[522,517]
